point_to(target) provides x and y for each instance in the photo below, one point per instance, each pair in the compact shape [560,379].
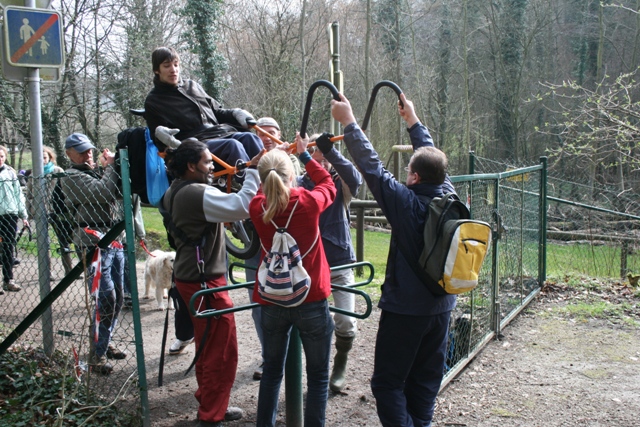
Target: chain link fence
[510,200]
[592,230]
[87,333]
[510,278]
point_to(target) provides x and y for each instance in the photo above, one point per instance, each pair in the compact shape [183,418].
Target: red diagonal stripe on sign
[34,38]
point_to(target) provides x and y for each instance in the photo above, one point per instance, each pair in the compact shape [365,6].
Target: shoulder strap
[166,214]
[283,229]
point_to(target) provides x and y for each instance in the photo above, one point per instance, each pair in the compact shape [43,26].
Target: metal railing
[293,364]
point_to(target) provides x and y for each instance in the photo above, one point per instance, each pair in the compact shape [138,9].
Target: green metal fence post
[496,261]
[359,237]
[542,253]
[293,380]
[133,285]
[472,163]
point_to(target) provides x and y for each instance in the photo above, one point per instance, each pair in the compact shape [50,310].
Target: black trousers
[8,231]
[182,320]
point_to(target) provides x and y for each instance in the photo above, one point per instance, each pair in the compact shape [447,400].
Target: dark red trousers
[216,366]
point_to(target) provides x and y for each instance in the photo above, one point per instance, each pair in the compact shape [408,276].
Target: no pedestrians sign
[33,37]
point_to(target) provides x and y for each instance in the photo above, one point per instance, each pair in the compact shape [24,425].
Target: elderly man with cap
[90,194]
[270,126]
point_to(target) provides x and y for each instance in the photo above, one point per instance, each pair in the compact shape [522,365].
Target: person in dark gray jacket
[412,334]
[336,239]
[177,109]
[90,193]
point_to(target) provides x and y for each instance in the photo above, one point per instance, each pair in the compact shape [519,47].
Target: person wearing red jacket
[274,203]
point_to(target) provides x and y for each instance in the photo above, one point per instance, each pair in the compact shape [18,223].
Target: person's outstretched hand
[165,135]
[407,111]
[301,143]
[324,143]
[342,112]
[242,116]
[258,156]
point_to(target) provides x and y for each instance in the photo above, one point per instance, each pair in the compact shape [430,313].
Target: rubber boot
[338,374]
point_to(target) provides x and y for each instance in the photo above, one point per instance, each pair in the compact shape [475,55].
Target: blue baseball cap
[79,142]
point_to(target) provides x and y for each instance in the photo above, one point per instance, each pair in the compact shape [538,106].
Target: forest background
[511,80]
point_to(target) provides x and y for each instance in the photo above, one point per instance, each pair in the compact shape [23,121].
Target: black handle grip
[374,93]
[307,107]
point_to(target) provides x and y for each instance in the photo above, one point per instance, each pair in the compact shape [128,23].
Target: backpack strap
[283,229]
[166,214]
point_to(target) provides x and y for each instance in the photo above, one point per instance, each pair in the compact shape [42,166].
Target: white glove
[242,116]
[165,135]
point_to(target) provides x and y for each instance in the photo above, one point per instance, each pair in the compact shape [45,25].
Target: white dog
[157,274]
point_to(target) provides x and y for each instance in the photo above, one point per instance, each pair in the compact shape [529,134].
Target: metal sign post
[33,39]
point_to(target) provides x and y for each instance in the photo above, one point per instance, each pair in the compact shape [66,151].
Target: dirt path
[547,370]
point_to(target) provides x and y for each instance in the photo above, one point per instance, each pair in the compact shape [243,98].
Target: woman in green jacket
[12,207]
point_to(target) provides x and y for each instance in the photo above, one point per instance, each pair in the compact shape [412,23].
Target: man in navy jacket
[412,334]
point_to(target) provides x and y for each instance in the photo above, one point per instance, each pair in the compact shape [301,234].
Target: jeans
[251,143]
[110,297]
[239,146]
[408,368]
[314,322]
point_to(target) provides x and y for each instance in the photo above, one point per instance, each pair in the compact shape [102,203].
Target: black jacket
[187,107]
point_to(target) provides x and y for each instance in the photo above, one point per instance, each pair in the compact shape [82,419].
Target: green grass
[590,260]
[615,312]
[156,234]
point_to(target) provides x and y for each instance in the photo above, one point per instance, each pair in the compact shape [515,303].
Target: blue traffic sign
[33,37]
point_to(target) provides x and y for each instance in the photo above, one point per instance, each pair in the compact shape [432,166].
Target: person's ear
[192,167]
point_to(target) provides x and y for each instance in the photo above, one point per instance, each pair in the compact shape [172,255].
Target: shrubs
[37,390]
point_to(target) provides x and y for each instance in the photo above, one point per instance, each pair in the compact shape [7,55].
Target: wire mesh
[65,209]
[511,271]
[592,229]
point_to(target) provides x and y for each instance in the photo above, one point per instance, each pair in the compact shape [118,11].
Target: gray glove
[165,135]
[242,116]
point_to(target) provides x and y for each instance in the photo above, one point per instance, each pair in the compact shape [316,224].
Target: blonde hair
[51,153]
[276,173]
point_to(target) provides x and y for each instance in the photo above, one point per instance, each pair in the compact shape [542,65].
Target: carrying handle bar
[372,99]
[307,107]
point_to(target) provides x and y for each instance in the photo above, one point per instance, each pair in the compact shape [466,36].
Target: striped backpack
[282,279]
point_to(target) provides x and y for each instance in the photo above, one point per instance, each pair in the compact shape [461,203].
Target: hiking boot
[233,413]
[100,365]
[178,346]
[114,353]
[11,286]
[257,374]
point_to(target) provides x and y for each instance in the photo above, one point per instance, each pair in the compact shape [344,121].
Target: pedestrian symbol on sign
[33,37]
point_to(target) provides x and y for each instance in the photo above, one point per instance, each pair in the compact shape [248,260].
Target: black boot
[338,374]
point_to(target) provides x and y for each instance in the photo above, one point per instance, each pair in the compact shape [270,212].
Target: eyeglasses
[406,169]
